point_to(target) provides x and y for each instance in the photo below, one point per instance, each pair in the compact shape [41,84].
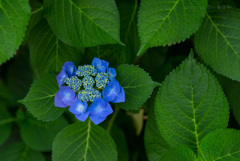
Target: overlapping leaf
[5,123]
[217,42]
[155,145]
[121,143]
[232,92]
[48,53]
[84,141]
[137,85]
[14,16]
[179,154]
[40,99]
[166,22]
[39,135]
[84,23]
[189,105]
[18,151]
[221,145]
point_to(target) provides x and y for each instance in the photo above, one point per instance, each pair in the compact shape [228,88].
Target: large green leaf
[19,69]
[155,144]
[137,85]
[110,53]
[39,135]
[40,99]
[37,15]
[17,151]
[14,16]
[129,31]
[179,154]
[84,23]
[232,92]
[121,143]
[48,54]
[217,42]
[189,105]
[5,94]
[166,22]
[5,123]
[223,144]
[84,141]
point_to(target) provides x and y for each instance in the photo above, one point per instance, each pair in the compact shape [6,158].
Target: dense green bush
[177,64]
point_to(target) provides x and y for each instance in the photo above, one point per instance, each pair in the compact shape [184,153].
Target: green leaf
[222,144]
[36,16]
[5,123]
[179,154]
[39,135]
[217,42]
[84,141]
[19,74]
[40,99]
[84,23]
[121,143]
[137,85]
[110,53]
[14,16]
[168,22]
[189,105]
[233,96]
[155,144]
[5,94]
[48,54]
[128,29]
[17,151]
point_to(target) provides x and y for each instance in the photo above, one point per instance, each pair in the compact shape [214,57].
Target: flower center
[88,83]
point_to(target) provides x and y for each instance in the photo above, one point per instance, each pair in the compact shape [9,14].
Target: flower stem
[112,119]
[37,10]
[9,120]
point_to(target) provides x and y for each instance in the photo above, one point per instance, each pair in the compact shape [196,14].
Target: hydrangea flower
[88,90]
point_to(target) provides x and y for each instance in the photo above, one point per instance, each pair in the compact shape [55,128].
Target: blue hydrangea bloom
[99,110]
[65,97]
[113,92]
[100,65]
[79,108]
[88,89]
[68,70]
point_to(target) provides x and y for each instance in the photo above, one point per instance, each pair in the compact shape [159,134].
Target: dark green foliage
[39,135]
[137,85]
[178,106]
[40,99]
[189,105]
[221,145]
[84,141]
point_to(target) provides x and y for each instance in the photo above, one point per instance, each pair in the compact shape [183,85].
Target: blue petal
[120,97]
[111,91]
[61,78]
[96,62]
[101,69]
[112,79]
[78,107]
[105,64]
[96,119]
[82,116]
[67,95]
[107,111]
[111,72]
[100,65]
[58,102]
[69,68]
[97,106]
